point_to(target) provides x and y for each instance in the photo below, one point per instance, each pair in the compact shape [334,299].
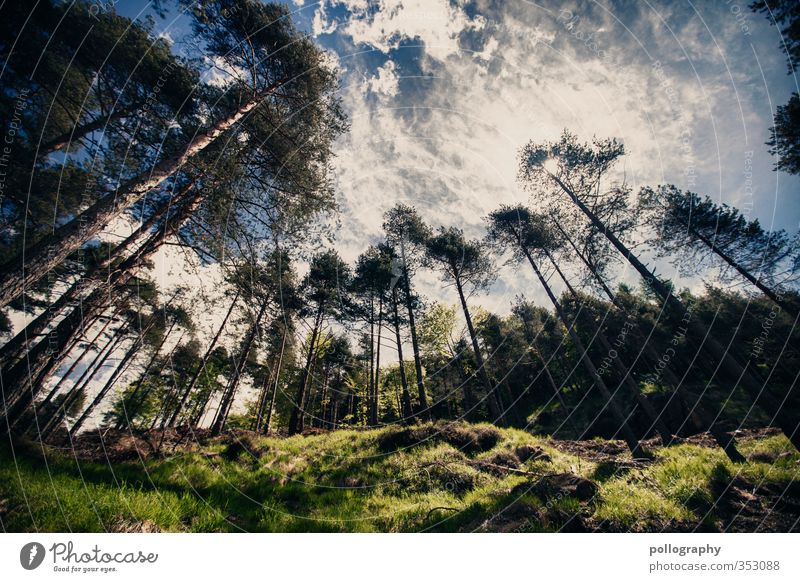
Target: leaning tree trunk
[124,423]
[55,389]
[201,367]
[296,420]
[33,263]
[90,280]
[28,375]
[701,419]
[771,294]
[656,420]
[79,388]
[550,380]
[629,436]
[491,397]
[121,368]
[738,373]
[77,133]
[110,383]
[230,393]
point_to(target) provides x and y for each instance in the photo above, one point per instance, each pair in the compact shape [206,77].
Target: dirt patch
[125,445]
[596,451]
[122,525]
[565,485]
[497,462]
[468,439]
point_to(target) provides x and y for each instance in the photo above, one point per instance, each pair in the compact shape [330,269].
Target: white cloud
[219,73]
[385,84]
[383,24]
[449,147]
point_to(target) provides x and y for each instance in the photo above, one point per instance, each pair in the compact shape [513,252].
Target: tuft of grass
[631,504]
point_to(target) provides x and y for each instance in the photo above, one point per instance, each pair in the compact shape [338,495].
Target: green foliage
[784,138]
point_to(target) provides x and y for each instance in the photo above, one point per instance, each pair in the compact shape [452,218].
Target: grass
[431,479]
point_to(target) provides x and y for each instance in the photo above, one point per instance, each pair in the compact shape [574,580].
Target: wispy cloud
[439,127]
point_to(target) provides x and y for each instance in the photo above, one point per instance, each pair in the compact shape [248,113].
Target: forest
[121,151]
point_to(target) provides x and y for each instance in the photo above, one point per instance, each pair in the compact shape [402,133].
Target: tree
[784,139]
[690,229]
[323,292]
[524,234]
[290,71]
[467,265]
[406,231]
[576,170]
[26,377]
[370,285]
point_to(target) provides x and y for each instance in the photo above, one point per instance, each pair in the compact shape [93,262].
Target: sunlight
[550,166]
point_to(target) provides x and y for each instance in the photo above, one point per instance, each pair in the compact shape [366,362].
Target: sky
[441,94]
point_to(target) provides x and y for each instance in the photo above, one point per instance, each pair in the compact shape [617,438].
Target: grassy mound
[434,477]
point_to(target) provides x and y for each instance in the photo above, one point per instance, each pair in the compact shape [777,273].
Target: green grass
[353,481]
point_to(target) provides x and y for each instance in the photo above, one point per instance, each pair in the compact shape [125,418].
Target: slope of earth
[442,477]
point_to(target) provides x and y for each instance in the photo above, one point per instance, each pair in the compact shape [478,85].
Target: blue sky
[442,94]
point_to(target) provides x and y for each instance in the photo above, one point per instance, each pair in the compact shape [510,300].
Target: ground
[443,477]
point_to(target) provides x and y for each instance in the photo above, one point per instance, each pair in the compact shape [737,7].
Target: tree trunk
[123,423]
[268,424]
[407,410]
[699,417]
[655,419]
[296,419]
[630,438]
[80,131]
[89,281]
[201,367]
[772,295]
[551,380]
[491,397]
[376,389]
[123,365]
[55,389]
[735,371]
[43,358]
[80,386]
[33,263]
[230,392]
[263,396]
[423,400]
[371,388]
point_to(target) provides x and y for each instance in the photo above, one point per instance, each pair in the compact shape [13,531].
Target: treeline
[222,149]
[236,173]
